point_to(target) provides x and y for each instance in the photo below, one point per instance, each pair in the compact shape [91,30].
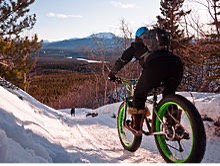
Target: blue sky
[65,19]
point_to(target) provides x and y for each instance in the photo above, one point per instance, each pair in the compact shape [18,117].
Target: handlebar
[130,85]
[121,80]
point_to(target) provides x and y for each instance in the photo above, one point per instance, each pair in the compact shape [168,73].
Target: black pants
[165,69]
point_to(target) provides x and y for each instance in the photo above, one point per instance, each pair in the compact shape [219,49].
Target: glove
[111,77]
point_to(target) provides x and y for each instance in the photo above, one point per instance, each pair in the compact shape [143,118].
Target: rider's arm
[126,57]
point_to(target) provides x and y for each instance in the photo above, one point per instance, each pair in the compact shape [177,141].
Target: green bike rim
[122,133]
[161,138]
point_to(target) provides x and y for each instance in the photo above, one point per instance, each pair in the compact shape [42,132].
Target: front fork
[125,110]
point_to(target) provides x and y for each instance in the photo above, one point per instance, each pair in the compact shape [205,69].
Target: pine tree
[172,13]
[15,51]
[14,18]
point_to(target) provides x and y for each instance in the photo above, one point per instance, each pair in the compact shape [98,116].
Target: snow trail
[31,132]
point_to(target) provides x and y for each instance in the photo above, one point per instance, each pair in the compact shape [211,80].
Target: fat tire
[199,144]
[132,147]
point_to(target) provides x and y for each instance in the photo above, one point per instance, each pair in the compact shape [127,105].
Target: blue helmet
[140,31]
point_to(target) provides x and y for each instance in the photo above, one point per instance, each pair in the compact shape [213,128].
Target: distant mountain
[81,47]
[105,35]
[78,44]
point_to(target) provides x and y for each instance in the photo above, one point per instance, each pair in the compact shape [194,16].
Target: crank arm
[153,133]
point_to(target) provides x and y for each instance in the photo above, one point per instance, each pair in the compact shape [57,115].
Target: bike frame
[130,85]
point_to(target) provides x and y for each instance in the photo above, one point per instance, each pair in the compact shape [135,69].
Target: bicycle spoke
[173,147]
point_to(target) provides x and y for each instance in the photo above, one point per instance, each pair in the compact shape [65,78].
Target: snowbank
[31,132]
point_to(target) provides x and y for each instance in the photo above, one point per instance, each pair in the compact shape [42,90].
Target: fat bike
[179,140]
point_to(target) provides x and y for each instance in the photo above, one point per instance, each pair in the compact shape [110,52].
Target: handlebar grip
[118,80]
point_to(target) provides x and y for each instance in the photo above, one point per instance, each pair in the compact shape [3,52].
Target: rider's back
[162,56]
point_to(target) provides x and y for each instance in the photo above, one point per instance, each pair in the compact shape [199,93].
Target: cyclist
[160,66]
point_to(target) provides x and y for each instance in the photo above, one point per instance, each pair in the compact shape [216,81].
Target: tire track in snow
[101,142]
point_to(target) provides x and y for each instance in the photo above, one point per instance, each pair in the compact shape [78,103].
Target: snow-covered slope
[33,132]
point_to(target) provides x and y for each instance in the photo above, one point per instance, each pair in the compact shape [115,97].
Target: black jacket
[141,53]
[136,50]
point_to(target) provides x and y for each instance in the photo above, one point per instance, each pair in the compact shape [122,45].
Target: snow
[103,35]
[31,132]
[90,61]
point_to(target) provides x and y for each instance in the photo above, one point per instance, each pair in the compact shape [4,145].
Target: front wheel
[184,139]
[128,140]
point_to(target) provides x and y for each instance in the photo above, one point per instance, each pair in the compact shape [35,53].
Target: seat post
[155,97]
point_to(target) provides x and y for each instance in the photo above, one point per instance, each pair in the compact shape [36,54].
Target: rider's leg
[146,83]
[173,114]
[153,74]
[171,83]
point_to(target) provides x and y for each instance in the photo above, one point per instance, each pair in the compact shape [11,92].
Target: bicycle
[182,141]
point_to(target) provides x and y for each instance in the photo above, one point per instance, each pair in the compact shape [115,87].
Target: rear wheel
[128,140]
[184,140]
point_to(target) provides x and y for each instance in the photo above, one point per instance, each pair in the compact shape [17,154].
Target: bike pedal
[135,132]
[186,136]
[127,123]
[149,120]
